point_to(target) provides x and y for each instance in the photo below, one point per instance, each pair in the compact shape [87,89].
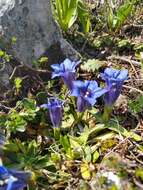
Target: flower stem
[56,133]
[107,113]
[80,116]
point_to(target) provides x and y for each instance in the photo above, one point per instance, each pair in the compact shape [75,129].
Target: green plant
[18,120]
[116,18]
[84,17]
[18,84]
[68,11]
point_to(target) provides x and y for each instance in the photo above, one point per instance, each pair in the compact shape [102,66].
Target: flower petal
[44,106]
[56,116]
[70,65]
[92,85]
[3,171]
[76,89]
[82,104]
[56,67]
[123,74]
[68,78]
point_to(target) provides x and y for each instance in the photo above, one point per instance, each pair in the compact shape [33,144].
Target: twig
[139,161]
[5,107]
[138,183]
[28,70]
[133,25]
[121,58]
[132,88]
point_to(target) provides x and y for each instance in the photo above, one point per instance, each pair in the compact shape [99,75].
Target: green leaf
[55,157]
[68,121]
[92,65]
[16,123]
[64,141]
[43,60]
[18,83]
[88,156]
[123,43]
[114,126]
[95,156]
[116,18]
[66,13]
[11,146]
[105,136]
[139,173]
[122,14]
[29,104]
[13,40]
[138,47]
[2,53]
[41,97]
[136,106]
[84,16]
[110,18]
[3,118]
[85,171]
[74,142]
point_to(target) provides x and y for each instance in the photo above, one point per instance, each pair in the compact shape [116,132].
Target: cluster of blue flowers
[86,92]
[12,179]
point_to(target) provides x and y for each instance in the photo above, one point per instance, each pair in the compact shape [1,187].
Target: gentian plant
[86,92]
[66,70]
[12,179]
[55,110]
[114,81]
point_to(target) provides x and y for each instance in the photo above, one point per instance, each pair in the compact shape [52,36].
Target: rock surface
[31,23]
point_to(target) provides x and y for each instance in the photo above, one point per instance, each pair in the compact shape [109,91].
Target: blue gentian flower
[12,179]
[114,81]
[86,92]
[55,107]
[66,70]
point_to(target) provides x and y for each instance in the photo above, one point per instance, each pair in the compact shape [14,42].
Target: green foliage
[84,17]
[18,84]
[26,154]
[123,43]
[18,120]
[117,18]
[92,65]
[68,11]
[114,126]
[43,61]
[139,173]
[4,58]
[136,106]
[13,40]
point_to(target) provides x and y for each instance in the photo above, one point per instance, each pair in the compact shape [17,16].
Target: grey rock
[31,23]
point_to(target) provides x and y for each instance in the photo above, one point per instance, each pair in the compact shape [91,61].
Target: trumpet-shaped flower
[66,70]
[12,179]
[55,110]
[114,81]
[86,92]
